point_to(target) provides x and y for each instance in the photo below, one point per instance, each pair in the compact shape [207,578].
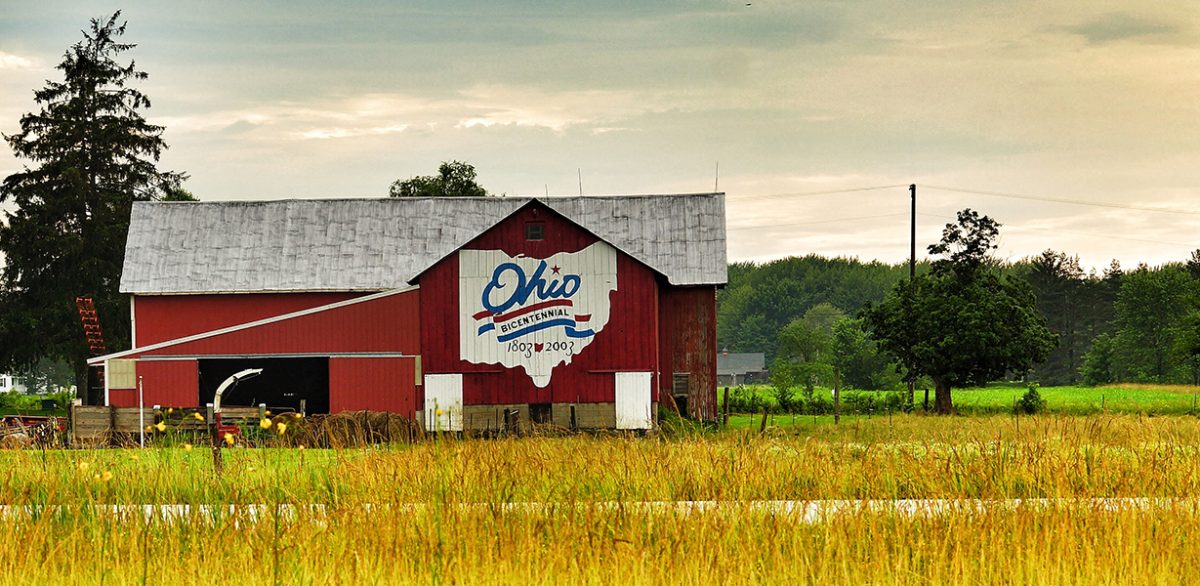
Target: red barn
[460,312]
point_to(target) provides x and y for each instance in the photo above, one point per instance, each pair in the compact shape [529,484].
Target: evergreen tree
[90,154]
[1193,265]
[1061,287]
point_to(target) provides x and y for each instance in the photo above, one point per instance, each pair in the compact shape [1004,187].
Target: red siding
[629,341]
[377,384]
[159,318]
[122,397]
[386,325]
[170,383]
[689,344]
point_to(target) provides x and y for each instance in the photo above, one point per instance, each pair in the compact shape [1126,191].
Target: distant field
[998,399]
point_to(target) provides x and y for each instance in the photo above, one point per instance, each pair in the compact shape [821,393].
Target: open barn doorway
[284,382]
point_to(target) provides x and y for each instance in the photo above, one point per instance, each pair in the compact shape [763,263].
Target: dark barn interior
[283,382]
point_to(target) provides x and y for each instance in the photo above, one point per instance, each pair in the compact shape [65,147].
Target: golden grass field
[439,512]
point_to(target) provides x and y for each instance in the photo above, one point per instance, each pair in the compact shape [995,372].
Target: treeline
[761,299]
[1114,325]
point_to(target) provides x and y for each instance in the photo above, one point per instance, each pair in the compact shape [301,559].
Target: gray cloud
[304,99]
[1117,27]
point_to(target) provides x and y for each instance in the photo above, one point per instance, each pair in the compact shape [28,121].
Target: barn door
[633,401]
[443,402]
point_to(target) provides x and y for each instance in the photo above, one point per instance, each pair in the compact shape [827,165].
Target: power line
[829,221]
[1062,200]
[1072,233]
[812,193]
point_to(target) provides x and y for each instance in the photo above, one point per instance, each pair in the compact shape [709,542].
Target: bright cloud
[11,61]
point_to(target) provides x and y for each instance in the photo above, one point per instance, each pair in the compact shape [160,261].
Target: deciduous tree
[454,179]
[963,323]
[1151,309]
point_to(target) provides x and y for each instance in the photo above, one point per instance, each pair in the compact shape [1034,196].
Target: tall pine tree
[89,155]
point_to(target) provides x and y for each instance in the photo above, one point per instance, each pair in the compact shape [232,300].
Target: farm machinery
[20,431]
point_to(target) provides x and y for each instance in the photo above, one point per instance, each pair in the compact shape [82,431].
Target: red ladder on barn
[91,325]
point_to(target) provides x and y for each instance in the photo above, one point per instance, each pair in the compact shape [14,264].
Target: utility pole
[912,253]
[912,268]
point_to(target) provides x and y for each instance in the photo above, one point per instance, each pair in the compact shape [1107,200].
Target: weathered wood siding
[688,338]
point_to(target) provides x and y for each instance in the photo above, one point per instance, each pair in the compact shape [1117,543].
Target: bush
[744,400]
[18,402]
[785,398]
[1097,366]
[818,404]
[1031,402]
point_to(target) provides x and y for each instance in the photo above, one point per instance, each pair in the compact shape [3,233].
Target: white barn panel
[444,394]
[536,314]
[633,400]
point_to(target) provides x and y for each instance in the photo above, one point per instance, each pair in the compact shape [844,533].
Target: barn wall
[122,397]
[627,343]
[376,384]
[171,383]
[688,339]
[159,318]
[385,325]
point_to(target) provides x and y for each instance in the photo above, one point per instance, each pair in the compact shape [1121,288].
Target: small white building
[11,384]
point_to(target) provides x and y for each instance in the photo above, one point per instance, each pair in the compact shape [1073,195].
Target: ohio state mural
[533,313]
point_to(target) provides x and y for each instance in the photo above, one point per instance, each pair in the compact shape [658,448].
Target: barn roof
[378,244]
[740,362]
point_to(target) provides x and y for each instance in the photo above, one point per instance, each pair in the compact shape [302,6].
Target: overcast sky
[1088,100]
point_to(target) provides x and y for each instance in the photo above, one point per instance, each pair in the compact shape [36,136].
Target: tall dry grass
[430,512]
[448,545]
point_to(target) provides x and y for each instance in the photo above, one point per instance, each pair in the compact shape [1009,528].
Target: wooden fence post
[112,425]
[214,435]
[725,408]
[837,396]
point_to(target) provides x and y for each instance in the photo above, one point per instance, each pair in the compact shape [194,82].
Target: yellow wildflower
[301,447]
[170,410]
[439,412]
[229,439]
[160,426]
[198,416]
[105,476]
[297,415]
[187,447]
[264,423]
[281,427]
[268,412]
[83,466]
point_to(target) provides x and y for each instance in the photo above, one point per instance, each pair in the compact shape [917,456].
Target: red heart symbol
[538,347]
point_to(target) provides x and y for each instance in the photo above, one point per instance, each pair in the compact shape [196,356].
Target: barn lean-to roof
[379,244]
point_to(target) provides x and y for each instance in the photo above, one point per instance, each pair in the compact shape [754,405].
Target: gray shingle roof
[377,244]
[740,363]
